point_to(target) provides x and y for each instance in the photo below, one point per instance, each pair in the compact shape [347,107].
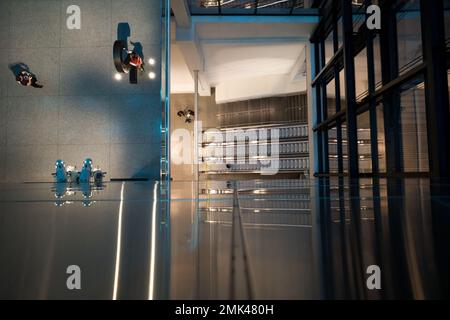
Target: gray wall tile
[133,119]
[3,120]
[6,75]
[35,24]
[32,120]
[84,120]
[2,163]
[41,109]
[5,16]
[134,160]
[30,163]
[30,132]
[86,71]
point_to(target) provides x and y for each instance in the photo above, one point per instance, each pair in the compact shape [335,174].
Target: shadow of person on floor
[18,67]
[137,47]
[23,75]
[123,31]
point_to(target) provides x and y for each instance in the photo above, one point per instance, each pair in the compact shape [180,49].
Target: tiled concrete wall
[82,111]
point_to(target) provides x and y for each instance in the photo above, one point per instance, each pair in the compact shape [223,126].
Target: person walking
[27,79]
[134,59]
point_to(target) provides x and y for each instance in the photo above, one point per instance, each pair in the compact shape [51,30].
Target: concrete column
[196,128]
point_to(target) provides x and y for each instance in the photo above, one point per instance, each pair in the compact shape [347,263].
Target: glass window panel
[203,6]
[361,75]
[244,7]
[329,47]
[319,54]
[359,16]
[381,139]
[342,87]
[377,61]
[364,145]
[409,36]
[332,151]
[331,98]
[322,104]
[340,35]
[414,129]
[344,147]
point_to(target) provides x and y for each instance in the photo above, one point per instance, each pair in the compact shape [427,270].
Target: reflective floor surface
[274,239]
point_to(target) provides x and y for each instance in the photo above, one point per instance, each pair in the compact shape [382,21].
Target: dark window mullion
[340,152]
[319,133]
[436,87]
[326,165]
[391,100]
[350,96]
[372,102]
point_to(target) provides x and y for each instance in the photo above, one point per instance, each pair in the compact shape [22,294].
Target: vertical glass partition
[165,91]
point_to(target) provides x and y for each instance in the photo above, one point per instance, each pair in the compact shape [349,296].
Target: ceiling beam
[181,12]
[298,72]
[189,44]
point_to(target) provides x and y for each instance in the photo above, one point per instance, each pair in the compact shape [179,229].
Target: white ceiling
[225,62]
[241,60]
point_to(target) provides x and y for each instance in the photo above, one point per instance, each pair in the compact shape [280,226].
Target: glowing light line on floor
[119,244]
[151,285]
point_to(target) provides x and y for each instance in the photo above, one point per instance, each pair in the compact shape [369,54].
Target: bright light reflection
[119,243]
[271,4]
[151,286]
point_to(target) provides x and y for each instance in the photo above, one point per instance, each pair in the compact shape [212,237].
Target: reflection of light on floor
[271,4]
[260,191]
[118,76]
[151,285]
[151,61]
[152,75]
[259,225]
[119,241]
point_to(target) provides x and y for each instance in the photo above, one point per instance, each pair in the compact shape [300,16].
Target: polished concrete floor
[278,239]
